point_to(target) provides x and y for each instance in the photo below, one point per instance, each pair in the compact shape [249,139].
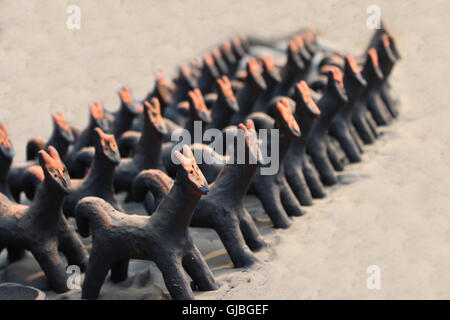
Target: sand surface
[392,210]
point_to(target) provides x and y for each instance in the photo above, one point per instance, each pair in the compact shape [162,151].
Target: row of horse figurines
[79,173]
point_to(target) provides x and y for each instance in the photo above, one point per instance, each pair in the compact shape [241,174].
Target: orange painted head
[285,121]
[386,51]
[62,128]
[98,116]
[106,146]
[197,106]
[353,70]
[164,89]
[185,71]
[335,72]
[96,110]
[336,83]
[217,54]
[6,147]
[352,63]
[270,68]
[190,173]
[226,93]
[294,56]
[306,99]
[127,101]
[226,47]
[208,59]
[299,41]
[254,71]
[125,95]
[5,141]
[373,55]
[254,156]
[54,169]
[372,59]
[225,87]
[152,112]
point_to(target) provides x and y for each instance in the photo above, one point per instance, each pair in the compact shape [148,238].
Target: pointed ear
[96,110]
[250,124]
[299,41]
[197,100]
[44,158]
[156,106]
[193,96]
[198,93]
[125,95]
[293,46]
[99,133]
[242,127]
[352,63]
[188,152]
[337,76]
[185,71]
[373,55]
[226,46]
[225,87]
[304,90]
[221,83]
[286,113]
[55,118]
[153,110]
[283,106]
[208,59]
[4,136]
[216,52]
[60,121]
[180,157]
[252,66]
[54,153]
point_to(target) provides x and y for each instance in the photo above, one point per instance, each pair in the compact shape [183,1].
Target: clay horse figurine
[222,209]
[41,227]
[164,237]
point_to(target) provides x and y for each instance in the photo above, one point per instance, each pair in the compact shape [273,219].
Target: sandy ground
[392,210]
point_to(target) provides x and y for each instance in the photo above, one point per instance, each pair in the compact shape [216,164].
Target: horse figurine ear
[197,100]
[96,110]
[51,161]
[54,169]
[351,68]
[287,119]
[197,106]
[254,71]
[372,57]
[125,95]
[153,112]
[60,121]
[208,59]
[192,171]
[108,145]
[55,155]
[252,142]
[305,93]
[186,157]
[225,88]
[4,136]
[250,124]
